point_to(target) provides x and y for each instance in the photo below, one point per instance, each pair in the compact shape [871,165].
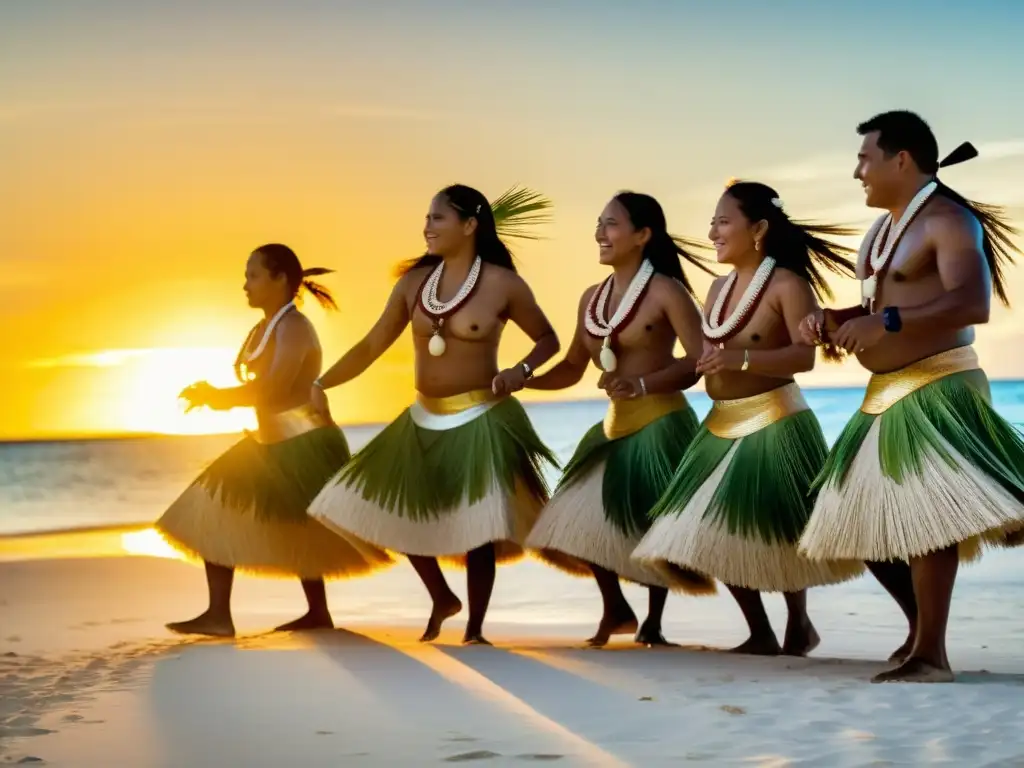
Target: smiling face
[444,231]
[617,240]
[881,176]
[263,289]
[733,234]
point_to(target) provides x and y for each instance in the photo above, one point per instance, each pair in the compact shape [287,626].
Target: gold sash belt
[276,427]
[448,406]
[733,419]
[886,389]
[624,417]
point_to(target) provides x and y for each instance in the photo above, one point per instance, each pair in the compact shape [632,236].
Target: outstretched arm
[385,332]
[568,371]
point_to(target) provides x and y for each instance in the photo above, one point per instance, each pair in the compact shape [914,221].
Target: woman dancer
[457,476]
[628,326]
[247,510]
[740,499]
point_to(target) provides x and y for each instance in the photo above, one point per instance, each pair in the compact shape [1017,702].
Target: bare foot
[476,639]
[900,654]
[308,622]
[766,645]
[800,639]
[621,622]
[442,610]
[204,624]
[650,635]
[915,670]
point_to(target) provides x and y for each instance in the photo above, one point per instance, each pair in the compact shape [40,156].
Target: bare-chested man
[740,498]
[247,510]
[628,326]
[458,475]
[926,470]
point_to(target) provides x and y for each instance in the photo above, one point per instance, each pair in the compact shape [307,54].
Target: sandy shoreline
[88,677]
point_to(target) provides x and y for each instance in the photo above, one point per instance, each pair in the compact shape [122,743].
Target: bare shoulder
[947,221]
[716,287]
[787,286]
[664,286]
[507,281]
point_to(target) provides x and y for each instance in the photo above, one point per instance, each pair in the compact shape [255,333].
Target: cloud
[108,358]
[381,112]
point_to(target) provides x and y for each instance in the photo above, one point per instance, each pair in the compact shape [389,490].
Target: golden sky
[144,152]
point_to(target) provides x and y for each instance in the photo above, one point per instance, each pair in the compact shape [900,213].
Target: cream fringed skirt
[446,477]
[741,498]
[247,510]
[925,464]
[599,511]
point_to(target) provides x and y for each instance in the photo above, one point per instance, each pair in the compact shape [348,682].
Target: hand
[508,381]
[717,360]
[622,387]
[197,395]
[860,333]
[812,328]
[318,401]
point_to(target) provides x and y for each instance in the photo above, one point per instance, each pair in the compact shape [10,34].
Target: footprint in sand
[540,757]
[20,731]
[466,757]
[12,639]
[30,759]
[72,718]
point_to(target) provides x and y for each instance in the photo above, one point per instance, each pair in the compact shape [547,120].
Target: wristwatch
[527,370]
[891,320]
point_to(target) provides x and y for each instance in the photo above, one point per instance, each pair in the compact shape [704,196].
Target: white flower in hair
[777,202]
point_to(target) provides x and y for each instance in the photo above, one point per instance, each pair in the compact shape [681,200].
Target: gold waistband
[733,419]
[447,406]
[276,427]
[886,389]
[624,417]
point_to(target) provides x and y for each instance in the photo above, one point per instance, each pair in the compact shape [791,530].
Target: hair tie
[961,154]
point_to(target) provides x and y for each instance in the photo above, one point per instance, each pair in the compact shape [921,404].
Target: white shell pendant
[436,346]
[608,360]
[867,287]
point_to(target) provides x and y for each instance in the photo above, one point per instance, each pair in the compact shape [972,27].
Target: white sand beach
[89,677]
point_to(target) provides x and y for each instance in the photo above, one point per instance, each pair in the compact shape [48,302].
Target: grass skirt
[247,511]
[443,492]
[937,467]
[740,499]
[599,511]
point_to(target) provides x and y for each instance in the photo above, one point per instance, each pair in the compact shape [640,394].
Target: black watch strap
[891,320]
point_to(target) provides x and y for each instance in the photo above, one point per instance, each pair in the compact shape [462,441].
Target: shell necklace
[717,331]
[595,317]
[879,257]
[439,311]
[245,356]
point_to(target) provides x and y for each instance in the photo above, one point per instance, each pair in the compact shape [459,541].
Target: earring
[757,245]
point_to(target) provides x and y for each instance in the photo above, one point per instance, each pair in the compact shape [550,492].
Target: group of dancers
[923,475]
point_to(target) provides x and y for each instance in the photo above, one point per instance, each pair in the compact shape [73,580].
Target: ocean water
[49,486]
[59,485]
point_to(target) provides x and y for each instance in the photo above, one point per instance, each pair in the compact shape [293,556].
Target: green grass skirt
[443,493]
[599,510]
[937,468]
[247,510]
[736,509]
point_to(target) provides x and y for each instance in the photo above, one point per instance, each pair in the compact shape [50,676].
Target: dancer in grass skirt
[628,326]
[926,470]
[457,476]
[740,498]
[247,510]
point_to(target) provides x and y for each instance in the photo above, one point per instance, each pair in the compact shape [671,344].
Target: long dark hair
[511,215]
[664,250]
[905,131]
[798,246]
[280,259]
